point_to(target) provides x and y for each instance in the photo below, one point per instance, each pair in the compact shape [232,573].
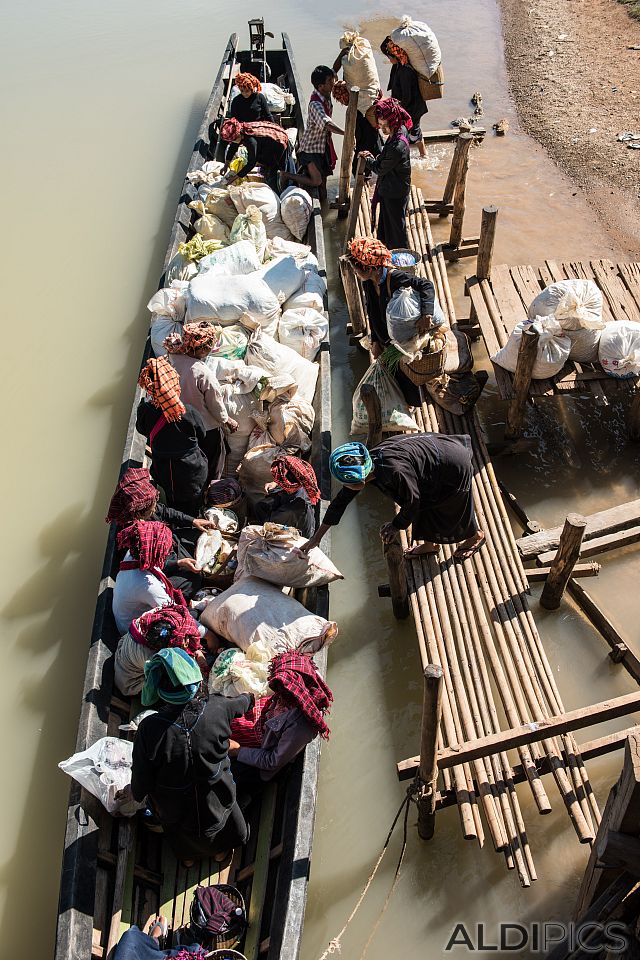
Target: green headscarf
[169,668]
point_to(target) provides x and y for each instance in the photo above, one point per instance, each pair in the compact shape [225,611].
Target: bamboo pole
[356,200]
[455,237]
[348,146]
[565,560]
[527,354]
[486,242]
[431,716]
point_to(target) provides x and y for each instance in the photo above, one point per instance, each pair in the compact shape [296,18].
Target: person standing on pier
[393,168]
[427,474]
[404,87]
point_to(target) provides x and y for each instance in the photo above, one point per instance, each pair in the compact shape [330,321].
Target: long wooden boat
[116,873]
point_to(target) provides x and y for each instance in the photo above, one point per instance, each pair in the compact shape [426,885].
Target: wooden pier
[489,686]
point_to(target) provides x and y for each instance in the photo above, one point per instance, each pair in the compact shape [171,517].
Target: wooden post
[521,382]
[356,200]
[455,238]
[565,560]
[486,242]
[454,170]
[398,588]
[431,715]
[371,400]
[634,416]
[348,146]
[353,298]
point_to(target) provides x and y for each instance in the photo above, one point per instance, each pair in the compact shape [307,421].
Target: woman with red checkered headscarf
[393,168]
[404,87]
[291,496]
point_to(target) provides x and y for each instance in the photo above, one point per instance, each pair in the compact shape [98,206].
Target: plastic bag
[574,303]
[584,345]
[104,769]
[303,330]
[235,672]
[265,352]
[553,348]
[245,299]
[212,551]
[233,343]
[239,259]
[420,44]
[277,99]
[283,276]
[226,520]
[359,69]
[296,207]
[253,611]
[272,552]
[209,226]
[619,349]
[403,314]
[249,226]
[395,412]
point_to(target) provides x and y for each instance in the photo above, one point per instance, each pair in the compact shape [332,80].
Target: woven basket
[222,943]
[429,365]
[414,253]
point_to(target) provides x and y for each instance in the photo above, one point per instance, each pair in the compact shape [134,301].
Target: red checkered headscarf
[291,473]
[247,81]
[391,49]
[161,382]
[149,541]
[340,92]
[247,730]
[195,337]
[370,252]
[183,629]
[134,494]
[297,676]
[232,129]
[393,113]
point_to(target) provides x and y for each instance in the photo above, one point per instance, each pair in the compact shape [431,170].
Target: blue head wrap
[169,669]
[350,463]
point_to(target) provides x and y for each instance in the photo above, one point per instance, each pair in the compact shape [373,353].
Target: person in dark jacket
[248,106]
[176,434]
[393,167]
[404,87]
[181,761]
[367,136]
[266,143]
[429,475]
[291,496]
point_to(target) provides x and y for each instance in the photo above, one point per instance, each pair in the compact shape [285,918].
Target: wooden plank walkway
[473,619]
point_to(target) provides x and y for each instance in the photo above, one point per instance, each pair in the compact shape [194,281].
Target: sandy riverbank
[576,83]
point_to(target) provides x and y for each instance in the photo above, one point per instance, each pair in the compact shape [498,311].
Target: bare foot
[157,927]
[468,547]
[221,857]
[426,548]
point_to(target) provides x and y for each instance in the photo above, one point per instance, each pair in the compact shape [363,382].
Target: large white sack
[247,299]
[301,251]
[553,348]
[129,664]
[359,69]
[267,201]
[296,207]
[235,672]
[395,412]
[249,226]
[265,352]
[619,349]
[254,471]
[161,328]
[240,407]
[304,300]
[218,202]
[420,44]
[104,769]
[272,552]
[209,173]
[239,259]
[574,304]
[252,611]
[180,268]
[303,330]
[167,308]
[283,276]
[208,225]
[584,345]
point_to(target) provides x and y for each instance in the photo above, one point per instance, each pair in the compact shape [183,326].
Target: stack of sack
[359,69]
[421,45]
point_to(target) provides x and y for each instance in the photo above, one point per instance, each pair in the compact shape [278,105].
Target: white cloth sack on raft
[209,173]
[267,201]
[303,329]
[575,304]
[359,69]
[208,225]
[289,422]
[253,611]
[277,247]
[247,300]
[249,226]
[104,769]
[395,412]
[619,349]
[180,268]
[553,348]
[272,552]
[235,671]
[420,44]
[240,407]
[296,207]
[276,358]
[283,276]
[239,259]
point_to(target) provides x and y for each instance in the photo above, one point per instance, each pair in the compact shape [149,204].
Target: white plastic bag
[209,226]
[103,770]
[619,349]
[283,276]
[245,299]
[359,69]
[296,207]
[225,520]
[267,201]
[239,259]
[584,345]
[303,330]
[249,226]
[403,313]
[212,551]
[575,304]
[253,611]
[553,348]
[395,412]
[276,97]
[265,352]
[420,44]
[235,672]
[272,552]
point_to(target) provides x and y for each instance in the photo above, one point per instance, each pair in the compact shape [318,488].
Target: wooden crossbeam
[532,732]
[538,574]
[603,522]
[451,133]
[592,548]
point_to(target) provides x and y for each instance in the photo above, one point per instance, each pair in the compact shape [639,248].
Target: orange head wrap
[162,384]
[370,252]
[247,81]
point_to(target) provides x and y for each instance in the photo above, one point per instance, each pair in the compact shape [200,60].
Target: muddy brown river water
[102,107]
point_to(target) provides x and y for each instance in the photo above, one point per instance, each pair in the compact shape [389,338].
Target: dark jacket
[377,302]
[178,464]
[393,167]
[403,84]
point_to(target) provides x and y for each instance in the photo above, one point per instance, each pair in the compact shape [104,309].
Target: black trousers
[392,222]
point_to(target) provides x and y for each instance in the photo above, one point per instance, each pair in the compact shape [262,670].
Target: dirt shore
[576,84]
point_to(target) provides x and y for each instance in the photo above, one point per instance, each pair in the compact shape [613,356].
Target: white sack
[574,303]
[245,299]
[209,226]
[179,268]
[254,471]
[276,358]
[303,330]
[359,69]
[584,345]
[301,251]
[249,226]
[103,770]
[266,200]
[553,348]
[129,664]
[395,412]
[303,300]
[619,349]
[240,258]
[420,44]
[235,672]
[168,308]
[296,207]
[253,610]
[225,520]
[272,552]
[283,276]
[218,202]
[240,407]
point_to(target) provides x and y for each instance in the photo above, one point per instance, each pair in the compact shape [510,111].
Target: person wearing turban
[199,387]
[393,168]
[291,496]
[181,762]
[266,143]
[176,434]
[248,106]
[404,87]
[141,583]
[429,476]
